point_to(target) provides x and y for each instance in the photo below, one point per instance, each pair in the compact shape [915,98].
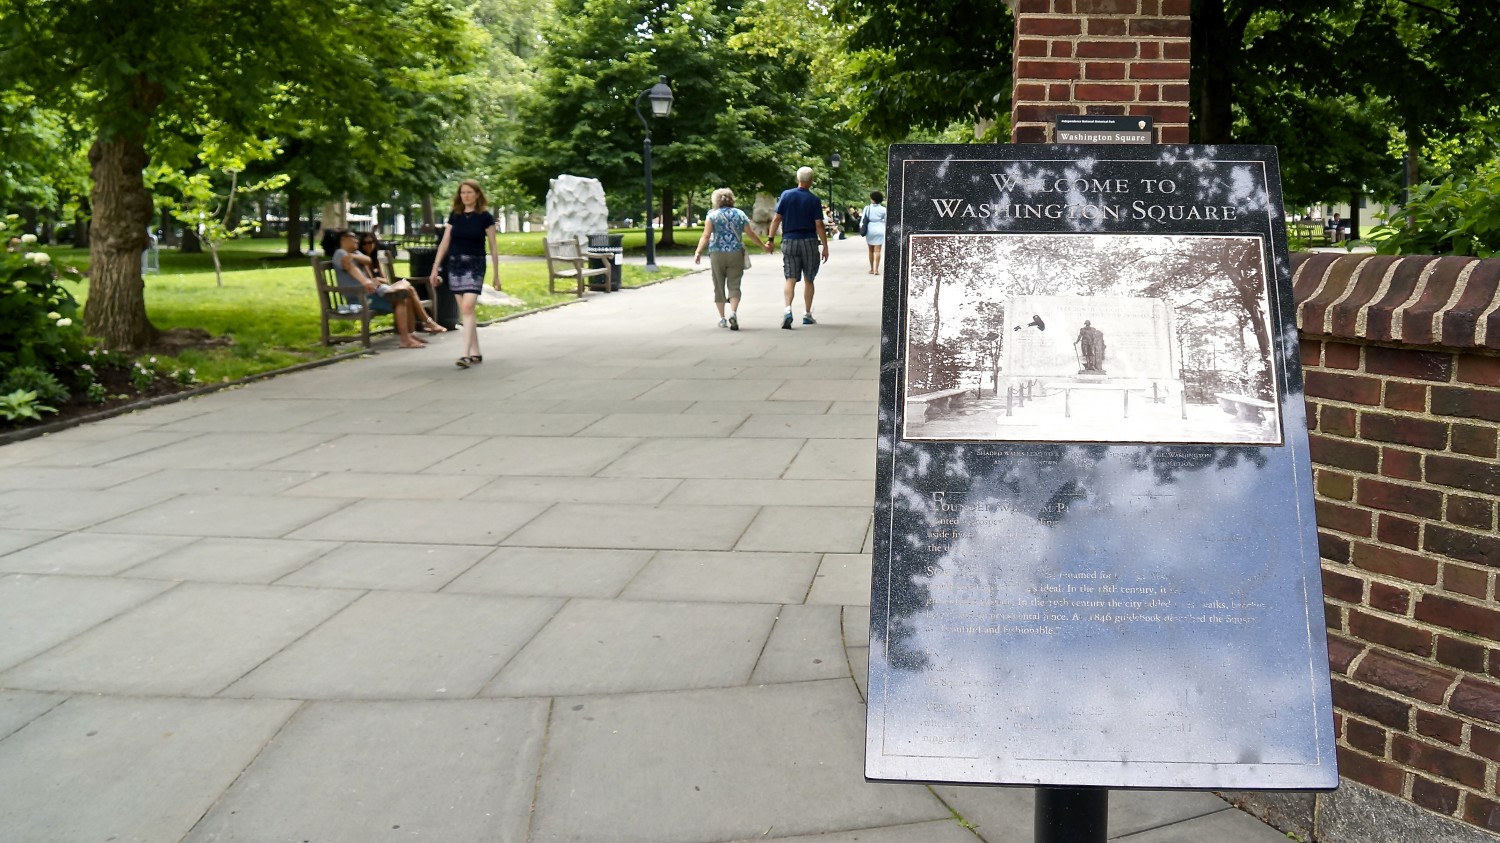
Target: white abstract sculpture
[576,209]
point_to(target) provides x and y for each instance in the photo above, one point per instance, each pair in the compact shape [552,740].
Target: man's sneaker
[723,323]
[734,323]
[808,320]
[786,321]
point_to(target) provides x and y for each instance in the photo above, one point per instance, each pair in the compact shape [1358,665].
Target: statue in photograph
[1090,345]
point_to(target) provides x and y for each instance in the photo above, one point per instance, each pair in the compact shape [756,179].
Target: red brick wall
[1403,393]
[1100,57]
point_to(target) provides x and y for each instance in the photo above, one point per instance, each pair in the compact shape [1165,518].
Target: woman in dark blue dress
[463,247]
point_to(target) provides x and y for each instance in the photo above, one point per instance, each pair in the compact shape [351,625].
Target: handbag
[747,258]
[864,222]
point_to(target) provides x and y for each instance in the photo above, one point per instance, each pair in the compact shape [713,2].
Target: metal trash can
[419,262]
[606,244]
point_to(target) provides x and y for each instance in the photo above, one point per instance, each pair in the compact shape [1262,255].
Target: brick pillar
[1100,57]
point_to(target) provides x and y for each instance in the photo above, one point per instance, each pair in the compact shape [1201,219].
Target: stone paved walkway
[611,585]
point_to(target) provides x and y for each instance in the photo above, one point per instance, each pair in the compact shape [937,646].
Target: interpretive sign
[1095,556]
[1101,128]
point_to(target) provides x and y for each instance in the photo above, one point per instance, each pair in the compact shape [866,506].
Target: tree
[203,210]
[137,71]
[739,118]
[926,65]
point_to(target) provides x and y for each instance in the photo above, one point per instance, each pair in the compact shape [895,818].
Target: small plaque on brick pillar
[1102,128]
[1096,562]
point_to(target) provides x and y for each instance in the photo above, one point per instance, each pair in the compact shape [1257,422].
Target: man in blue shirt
[799,213]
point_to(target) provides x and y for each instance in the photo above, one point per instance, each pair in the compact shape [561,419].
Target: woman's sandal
[462,362]
[466,362]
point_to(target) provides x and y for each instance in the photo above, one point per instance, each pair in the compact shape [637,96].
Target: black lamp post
[833,163]
[661,105]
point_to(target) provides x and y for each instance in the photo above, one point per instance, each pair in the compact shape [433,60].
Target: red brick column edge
[1101,57]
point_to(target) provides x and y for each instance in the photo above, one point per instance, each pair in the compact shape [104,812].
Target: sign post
[1114,584]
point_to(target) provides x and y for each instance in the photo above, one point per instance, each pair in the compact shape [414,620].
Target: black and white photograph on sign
[1089,338]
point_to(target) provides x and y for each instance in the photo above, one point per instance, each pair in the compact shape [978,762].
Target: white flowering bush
[38,318]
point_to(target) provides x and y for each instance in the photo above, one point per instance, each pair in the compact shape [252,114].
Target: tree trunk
[293,224]
[1412,173]
[191,243]
[168,229]
[429,223]
[116,307]
[81,224]
[667,240]
[1215,52]
[1354,198]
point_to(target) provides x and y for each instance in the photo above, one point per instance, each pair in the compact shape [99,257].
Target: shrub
[35,379]
[22,404]
[1459,215]
[38,316]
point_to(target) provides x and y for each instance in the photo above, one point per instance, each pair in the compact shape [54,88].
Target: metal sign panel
[1095,555]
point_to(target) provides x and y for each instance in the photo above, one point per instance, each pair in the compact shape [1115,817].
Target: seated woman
[369,249]
[352,269]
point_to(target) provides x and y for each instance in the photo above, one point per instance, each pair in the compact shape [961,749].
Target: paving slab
[519,424]
[192,641]
[569,387]
[39,613]
[457,772]
[843,389]
[941,831]
[577,489]
[612,647]
[382,419]
[254,417]
[66,477]
[679,527]
[231,560]
[768,492]
[389,452]
[539,456]
[706,458]
[856,626]
[78,448]
[551,572]
[222,451]
[737,577]
[391,567]
[359,484]
[666,425]
[421,521]
[805,645]
[73,509]
[738,389]
[17,708]
[826,529]
[834,459]
[191,481]
[13,540]
[99,768]
[842,579]
[244,516]
[608,407]
[391,645]
[89,554]
[752,762]
[729,407]
[781,426]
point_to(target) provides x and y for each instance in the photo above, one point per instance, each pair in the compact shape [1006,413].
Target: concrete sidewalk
[610,585]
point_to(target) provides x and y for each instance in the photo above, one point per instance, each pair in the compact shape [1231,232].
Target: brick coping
[1408,300]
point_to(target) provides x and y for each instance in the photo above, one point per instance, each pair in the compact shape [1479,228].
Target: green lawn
[267,307]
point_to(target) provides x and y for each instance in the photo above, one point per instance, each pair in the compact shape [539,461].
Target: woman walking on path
[723,228]
[463,246]
[873,218]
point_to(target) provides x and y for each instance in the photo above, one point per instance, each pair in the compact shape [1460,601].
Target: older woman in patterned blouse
[723,230]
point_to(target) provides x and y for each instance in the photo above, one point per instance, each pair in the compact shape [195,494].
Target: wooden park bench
[1244,407]
[932,404]
[426,293]
[344,304]
[566,262]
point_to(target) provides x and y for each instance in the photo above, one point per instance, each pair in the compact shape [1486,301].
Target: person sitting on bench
[369,248]
[352,269]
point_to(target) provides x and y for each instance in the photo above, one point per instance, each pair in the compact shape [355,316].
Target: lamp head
[834,160]
[660,96]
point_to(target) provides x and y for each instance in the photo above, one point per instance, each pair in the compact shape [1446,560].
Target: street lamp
[661,105]
[833,162]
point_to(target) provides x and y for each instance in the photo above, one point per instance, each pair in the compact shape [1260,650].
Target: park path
[610,585]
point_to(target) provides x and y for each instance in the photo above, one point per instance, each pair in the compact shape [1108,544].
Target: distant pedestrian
[800,212]
[462,245]
[872,223]
[723,232]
